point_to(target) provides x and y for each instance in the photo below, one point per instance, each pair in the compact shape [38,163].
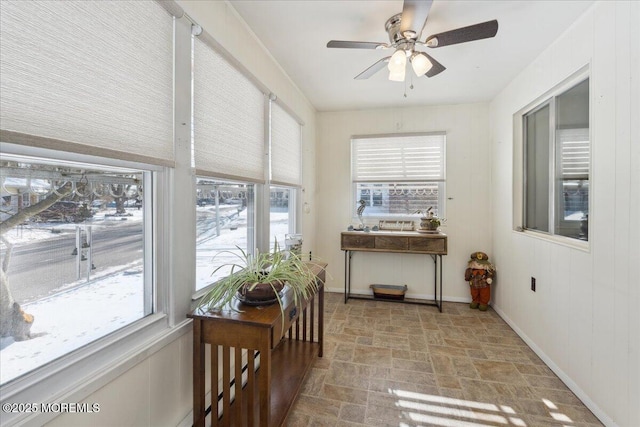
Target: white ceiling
[296,33]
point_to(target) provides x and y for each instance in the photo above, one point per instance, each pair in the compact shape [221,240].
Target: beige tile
[498,371]
[442,364]
[391,341]
[353,413]
[463,367]
[392,364]
[448,381]
[448,351]
[348,374]
[317,407]
[410,376]
[345,394]
[369,355]
[545,382]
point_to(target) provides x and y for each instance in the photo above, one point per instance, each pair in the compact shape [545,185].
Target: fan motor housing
[392,27]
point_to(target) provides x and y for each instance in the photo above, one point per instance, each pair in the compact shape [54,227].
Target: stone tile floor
[403,365]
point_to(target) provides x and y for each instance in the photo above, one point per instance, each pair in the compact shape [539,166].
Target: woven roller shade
[228,119]
[286,147]
[398,158]
[95,73]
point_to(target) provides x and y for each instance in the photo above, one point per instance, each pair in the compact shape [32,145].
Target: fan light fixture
[397,65]
[420,63]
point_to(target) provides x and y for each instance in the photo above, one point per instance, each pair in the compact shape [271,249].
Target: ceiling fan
[404,30]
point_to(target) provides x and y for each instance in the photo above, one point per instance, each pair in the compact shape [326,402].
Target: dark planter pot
[261,294]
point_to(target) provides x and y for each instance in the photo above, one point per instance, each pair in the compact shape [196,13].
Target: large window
[87,140]
[398,175]
[225,218]
[557,164]
[74,257]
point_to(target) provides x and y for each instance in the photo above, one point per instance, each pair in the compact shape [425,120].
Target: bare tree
[121,191]
[14,322]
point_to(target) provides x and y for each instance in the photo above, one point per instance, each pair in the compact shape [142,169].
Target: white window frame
[409,215]
[519,162]
[101,360]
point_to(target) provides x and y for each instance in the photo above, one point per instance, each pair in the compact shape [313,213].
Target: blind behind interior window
[96,73]
[574,152]
[416,158]
[228,115]
[285,147]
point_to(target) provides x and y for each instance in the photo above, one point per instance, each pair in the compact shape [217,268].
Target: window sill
[79,374]
[580,245]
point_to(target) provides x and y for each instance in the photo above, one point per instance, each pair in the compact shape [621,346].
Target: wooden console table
[406,242]
[272,358]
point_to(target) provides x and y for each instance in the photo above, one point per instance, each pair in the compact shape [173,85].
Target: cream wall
[155,389]
[468,185]
[583,319]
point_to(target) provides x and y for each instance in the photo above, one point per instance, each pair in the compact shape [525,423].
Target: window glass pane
[281,215]
[537,164]
[399,199]
[572,160]
[224,227]
[73,241]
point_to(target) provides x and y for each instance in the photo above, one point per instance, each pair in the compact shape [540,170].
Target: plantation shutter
[573,145]
[285,147]
[96,74]
[414,158]
[228,112]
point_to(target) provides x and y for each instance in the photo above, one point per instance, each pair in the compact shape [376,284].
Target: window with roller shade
[87,91]
[229,155]
[286,166]
[396,175]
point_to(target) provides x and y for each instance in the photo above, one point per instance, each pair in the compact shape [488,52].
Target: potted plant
[260,279]
[428,220]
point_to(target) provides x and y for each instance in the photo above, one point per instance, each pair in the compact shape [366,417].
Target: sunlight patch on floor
[447,411]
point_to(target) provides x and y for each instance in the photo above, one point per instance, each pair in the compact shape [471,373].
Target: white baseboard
[584,397]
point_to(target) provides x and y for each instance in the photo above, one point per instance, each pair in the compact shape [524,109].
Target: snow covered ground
[80,313]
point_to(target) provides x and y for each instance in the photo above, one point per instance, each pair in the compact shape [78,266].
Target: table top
[265,316]
[438,235]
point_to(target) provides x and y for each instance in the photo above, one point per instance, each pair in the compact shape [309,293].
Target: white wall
[468,184]
[583,319]
[156,391]
[226,26]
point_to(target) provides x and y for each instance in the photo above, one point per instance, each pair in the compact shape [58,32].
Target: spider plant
[274,268]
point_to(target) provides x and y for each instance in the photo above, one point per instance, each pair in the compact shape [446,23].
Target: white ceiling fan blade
[356,45]
[414,16]
[373,69]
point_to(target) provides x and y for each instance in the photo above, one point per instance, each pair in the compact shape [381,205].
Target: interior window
[557,164]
